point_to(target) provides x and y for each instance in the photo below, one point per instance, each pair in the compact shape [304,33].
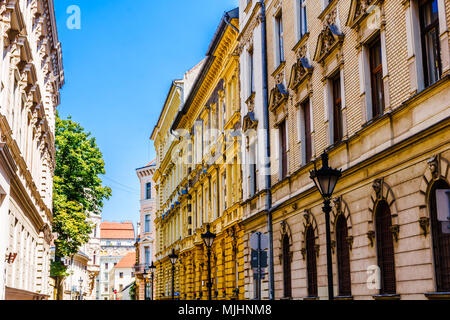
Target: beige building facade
[31,76]
[367,81]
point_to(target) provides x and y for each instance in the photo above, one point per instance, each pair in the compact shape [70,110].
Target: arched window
[311,262]
[441,241]
[385,248]
[287,267]
[343,257]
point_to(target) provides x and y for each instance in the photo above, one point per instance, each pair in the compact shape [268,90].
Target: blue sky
[118,68]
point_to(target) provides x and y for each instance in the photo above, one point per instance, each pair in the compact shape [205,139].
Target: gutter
[267,138]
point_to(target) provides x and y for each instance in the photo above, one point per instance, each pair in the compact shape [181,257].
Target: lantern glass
[326,178]
[173,257]
[208,237]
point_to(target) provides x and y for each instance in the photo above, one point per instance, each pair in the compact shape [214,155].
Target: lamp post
[145,274]
[208,237]
[81,283]
[325,180]
[173,259]
[152,271]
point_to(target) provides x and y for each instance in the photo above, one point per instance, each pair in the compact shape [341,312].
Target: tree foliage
[77,188]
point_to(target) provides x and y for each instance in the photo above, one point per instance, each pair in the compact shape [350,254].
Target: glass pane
[432,56]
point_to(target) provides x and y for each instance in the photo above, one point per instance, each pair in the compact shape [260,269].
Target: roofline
[232,14]
[172,85]
[150,166]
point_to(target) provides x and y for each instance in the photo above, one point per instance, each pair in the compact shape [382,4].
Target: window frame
[375,72]
[424,31]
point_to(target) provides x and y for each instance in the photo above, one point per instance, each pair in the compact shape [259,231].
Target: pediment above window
[250,122]
[301,70]
[360,9]
[278,95]
[329,39]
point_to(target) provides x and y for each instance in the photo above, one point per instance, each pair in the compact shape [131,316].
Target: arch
[385,247]
[437,168]
[382,192]
[309,221]
[286,255]
[440,240]
[340,208]
[343,256]
[311,262]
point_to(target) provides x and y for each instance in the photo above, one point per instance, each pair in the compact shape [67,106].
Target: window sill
[438,295]
[279,68]
[301,41]
[386,297]
[311,299]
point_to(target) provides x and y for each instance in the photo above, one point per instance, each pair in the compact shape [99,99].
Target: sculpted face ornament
[377,186]
[434,167]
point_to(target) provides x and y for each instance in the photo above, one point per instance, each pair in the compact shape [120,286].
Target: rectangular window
[337,109]
[106,266]
[147,255]
[306,110]
[252,169]
[429,30]
[376,78]
[224,190]
[280,38]
[148,191]
[147,223]
[251,72]
[121,275]
[283,149]
[302,22]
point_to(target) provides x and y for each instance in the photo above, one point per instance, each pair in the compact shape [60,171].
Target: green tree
[133,291]
[77,191]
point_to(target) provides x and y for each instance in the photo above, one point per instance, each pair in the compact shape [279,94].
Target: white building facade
[116,241]
[31,76]
[121,277]
[145,241]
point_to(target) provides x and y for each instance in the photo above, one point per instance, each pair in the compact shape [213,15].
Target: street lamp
[325,180]
[173,259]
[152,270]
[145,275]
[81,283]
[208,237]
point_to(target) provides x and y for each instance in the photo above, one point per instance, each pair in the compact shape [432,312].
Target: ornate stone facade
[199,179]
[31,75]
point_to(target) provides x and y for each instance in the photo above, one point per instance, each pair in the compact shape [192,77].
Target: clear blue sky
[118,69]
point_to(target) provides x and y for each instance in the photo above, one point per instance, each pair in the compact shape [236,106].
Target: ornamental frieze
[301,70]
[278,95]
[359,9]
[329,39]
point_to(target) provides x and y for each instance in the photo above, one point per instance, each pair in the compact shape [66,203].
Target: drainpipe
[267,164]
[227,21]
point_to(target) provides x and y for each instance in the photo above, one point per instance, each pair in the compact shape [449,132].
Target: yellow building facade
[198,183]
[352,78]
[356,79]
